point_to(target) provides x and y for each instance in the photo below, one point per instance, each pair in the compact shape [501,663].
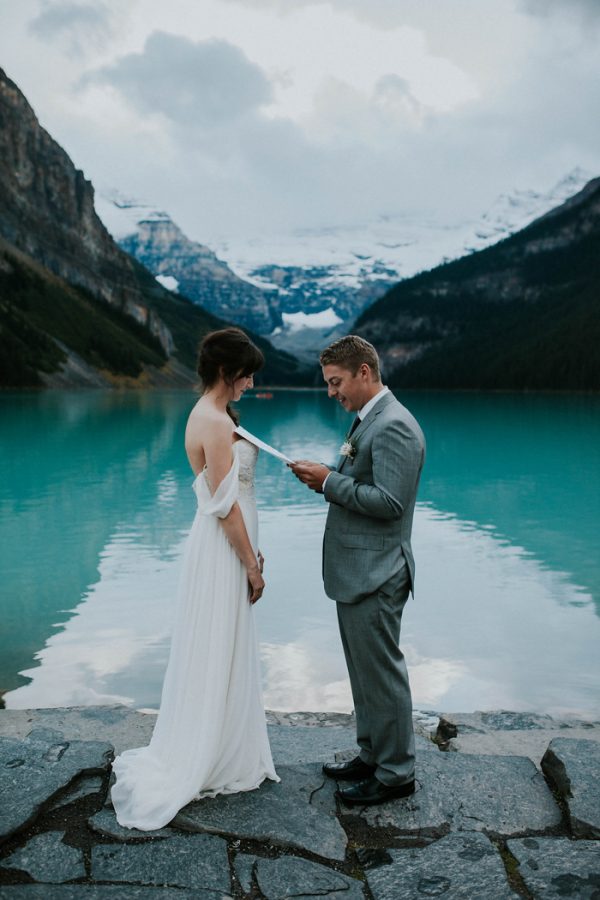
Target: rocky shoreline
[507,805]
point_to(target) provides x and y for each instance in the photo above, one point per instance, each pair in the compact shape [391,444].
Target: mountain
[346,268]
[521,314]
[273,298]
[186,266]
[74,307]
[312,284]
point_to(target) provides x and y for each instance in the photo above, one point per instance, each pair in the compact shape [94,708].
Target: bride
[210,736]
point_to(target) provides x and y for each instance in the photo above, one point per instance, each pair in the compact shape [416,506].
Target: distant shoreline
[191,389]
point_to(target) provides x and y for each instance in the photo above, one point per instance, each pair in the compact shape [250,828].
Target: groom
[368,565]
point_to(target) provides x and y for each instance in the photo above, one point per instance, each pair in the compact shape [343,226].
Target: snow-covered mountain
[388,248]
[186,266]
[320,279]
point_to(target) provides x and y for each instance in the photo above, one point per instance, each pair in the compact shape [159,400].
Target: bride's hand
[261,562]
[256,584]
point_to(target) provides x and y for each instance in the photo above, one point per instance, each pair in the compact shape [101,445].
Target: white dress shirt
[371,403]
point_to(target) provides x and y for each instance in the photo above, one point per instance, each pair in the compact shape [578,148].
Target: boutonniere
[348,449]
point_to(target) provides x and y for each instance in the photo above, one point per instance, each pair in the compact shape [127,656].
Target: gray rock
[244,866]
[122,726]
[47,859]
[312,719]
[105,823]
[33,770]
[505,720]
[97,892]
[509,734]
[456,866]
[289,876]
[298,812]
[504,795]
[305,743]
[573,768]
[197,861]
[84,787]
[554,868]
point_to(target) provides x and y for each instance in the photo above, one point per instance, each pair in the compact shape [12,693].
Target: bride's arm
[218,451]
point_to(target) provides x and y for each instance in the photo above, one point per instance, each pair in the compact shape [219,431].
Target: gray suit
[368,569]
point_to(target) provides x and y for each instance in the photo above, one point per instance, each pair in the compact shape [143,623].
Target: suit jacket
[371,498]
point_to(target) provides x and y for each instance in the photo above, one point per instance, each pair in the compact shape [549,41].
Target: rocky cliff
[521,314]
[47,211]
[74,307]
[160,245]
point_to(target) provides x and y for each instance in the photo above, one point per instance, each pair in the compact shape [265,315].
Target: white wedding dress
[210,736]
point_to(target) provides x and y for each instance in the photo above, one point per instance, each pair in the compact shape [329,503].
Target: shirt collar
[371,403]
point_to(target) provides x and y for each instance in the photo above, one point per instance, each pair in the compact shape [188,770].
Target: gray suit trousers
[370,632]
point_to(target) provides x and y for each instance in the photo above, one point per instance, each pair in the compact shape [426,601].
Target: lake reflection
[96,502]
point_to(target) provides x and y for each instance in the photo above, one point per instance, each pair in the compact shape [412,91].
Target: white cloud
[190,83]
[244,116]
[79,24]
[586,11]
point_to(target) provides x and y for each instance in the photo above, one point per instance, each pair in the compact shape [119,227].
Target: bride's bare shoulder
[205,422]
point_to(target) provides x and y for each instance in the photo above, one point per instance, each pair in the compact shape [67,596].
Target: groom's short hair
[350,352]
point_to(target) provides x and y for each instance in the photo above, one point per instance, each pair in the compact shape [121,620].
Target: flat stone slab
[506,796]
[95,892]
[47,859]
[304,743]
[300,812]
[105,823]
[573,767]
[126,728]
[122,726]
[457,866]
[85,787]
[194,861]
[555,868]
[33,770]
[503,733]
[289,876]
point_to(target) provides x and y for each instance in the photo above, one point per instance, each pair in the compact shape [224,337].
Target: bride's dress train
[210,736]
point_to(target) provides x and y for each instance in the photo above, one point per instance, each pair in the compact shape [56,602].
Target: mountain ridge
[520,314]
[154,239]
[90,292]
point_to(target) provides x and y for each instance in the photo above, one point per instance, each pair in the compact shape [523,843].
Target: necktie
[355,425]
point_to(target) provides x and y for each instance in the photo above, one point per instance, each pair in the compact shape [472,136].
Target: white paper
[258,443]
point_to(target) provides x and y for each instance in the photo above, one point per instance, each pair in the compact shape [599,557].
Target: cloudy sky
[258,116]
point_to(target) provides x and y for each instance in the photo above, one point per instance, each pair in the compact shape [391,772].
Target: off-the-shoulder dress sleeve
[226,494]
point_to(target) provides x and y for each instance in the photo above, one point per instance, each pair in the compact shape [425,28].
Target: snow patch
[121,215]
[168,282]
[327,318]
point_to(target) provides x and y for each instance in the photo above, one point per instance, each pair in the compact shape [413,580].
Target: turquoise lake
[96,501]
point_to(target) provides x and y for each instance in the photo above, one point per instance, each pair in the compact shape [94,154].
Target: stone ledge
[294,834]
[504,733]
[36,769]
[573,769]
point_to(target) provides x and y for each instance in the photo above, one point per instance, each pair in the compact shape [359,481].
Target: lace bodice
[248,454]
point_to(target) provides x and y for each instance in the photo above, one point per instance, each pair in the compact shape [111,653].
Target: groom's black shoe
[355,770]
[372,791]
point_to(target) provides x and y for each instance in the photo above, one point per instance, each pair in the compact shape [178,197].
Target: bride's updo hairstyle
[227,354]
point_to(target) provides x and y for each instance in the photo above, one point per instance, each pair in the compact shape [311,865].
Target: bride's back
[203,418]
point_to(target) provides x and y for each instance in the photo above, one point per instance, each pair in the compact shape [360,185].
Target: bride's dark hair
[227,354]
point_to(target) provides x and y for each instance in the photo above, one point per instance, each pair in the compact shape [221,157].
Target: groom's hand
[312,474]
